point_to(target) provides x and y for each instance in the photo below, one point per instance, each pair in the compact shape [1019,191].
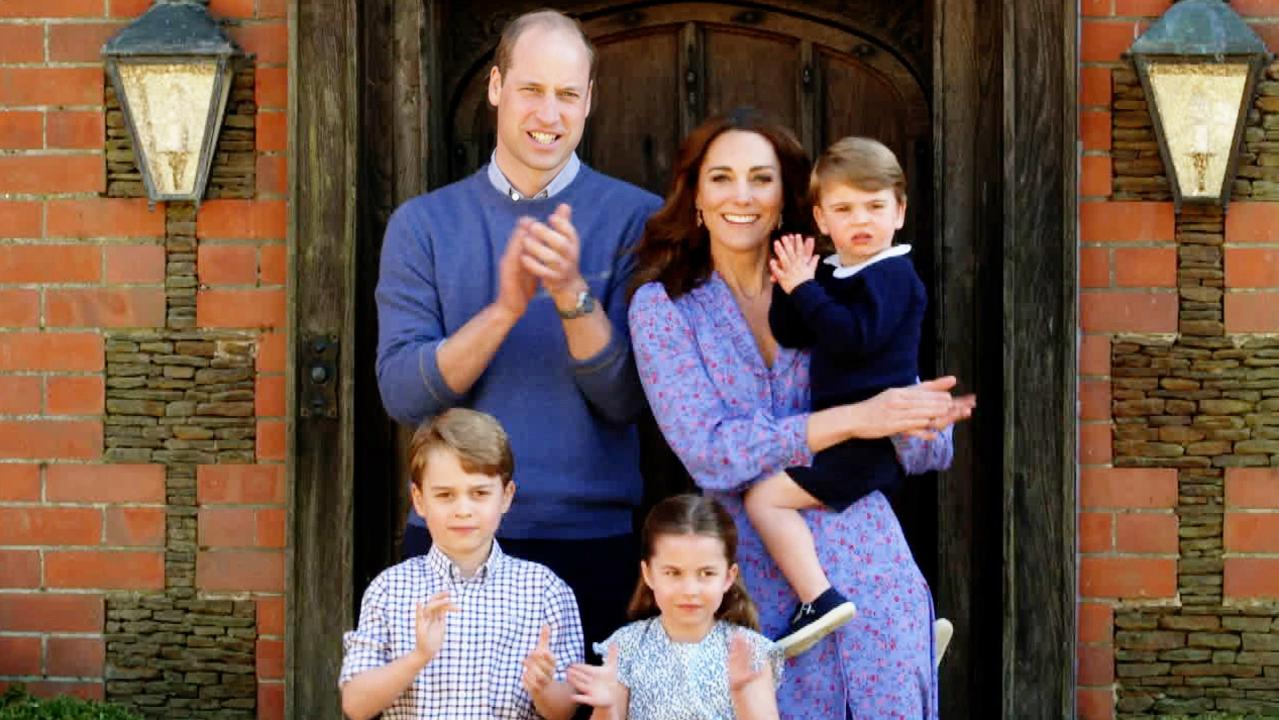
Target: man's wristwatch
[585,306]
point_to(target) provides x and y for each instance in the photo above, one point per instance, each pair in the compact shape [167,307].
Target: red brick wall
[1128,277]
[75,265]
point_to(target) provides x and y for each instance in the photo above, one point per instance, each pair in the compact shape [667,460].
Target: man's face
[542,102]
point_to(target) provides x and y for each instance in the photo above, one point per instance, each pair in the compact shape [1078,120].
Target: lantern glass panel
[1198,105]
[170,104]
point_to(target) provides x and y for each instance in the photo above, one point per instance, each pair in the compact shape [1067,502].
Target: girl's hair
[674,249]
[691,514]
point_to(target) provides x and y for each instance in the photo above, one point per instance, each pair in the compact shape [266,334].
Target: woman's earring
[699,217]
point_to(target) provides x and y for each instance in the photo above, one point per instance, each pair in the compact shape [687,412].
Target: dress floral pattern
[671,680]
[732,420]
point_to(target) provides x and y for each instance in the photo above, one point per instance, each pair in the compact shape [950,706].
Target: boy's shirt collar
[843,272]
[442,564]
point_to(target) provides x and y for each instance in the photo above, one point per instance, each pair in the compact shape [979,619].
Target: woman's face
[739,190]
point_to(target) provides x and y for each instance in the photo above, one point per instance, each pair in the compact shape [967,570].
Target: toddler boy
[860,310]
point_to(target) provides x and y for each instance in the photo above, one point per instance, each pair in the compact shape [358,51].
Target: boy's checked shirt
[476,674]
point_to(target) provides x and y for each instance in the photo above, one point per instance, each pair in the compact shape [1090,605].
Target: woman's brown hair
[691,514]
[674,249]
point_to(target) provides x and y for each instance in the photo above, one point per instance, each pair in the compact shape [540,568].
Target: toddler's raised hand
[794,263]
[539,665]
[596,685]
[431,623]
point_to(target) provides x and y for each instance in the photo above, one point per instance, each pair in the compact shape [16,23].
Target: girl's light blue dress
[671,680]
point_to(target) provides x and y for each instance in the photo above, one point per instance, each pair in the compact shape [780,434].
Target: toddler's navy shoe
[814,621]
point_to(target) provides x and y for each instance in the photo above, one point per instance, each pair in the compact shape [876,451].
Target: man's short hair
[476,439]
[549,19]
[863,163]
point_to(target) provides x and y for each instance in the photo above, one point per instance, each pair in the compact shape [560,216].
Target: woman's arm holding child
[372,691]
[752,689]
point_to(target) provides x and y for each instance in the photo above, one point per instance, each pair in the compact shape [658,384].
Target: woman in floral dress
[734,406]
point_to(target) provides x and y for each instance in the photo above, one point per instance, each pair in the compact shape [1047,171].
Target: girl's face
[688,575]
[739,190]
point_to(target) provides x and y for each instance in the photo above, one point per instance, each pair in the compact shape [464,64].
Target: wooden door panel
[857,100]
[634,129]
[665,68]
[749,69]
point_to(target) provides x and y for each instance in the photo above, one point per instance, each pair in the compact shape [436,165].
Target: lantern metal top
[1204,28]
[172,27]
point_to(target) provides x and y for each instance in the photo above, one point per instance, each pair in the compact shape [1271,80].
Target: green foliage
[17,704]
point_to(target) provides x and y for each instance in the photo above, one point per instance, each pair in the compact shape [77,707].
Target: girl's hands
[795,263]
[539,665]
[741,670]
[596,685]
[430,625]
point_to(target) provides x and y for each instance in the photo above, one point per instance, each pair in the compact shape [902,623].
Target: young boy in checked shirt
[464,631]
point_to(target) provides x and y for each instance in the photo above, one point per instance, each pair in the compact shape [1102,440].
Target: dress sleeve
[918,456]
[722,448]
[369,645]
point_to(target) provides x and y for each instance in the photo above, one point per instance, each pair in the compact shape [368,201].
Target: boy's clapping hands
[431,622]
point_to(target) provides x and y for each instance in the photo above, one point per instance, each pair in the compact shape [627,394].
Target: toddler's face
[861,223]
[462,510]
[689,576]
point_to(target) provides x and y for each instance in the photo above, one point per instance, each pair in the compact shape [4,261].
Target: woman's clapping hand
[921,409]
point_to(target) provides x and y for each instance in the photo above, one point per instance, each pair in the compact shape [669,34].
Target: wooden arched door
[665,68]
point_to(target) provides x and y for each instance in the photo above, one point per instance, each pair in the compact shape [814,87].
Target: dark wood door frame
[1004,79]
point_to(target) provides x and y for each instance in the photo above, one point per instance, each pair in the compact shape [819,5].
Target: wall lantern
[171,69]
[1198,65]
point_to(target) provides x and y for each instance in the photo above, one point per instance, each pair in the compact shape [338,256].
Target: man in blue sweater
[505,292]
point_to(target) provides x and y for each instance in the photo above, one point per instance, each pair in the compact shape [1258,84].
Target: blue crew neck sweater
[570,422]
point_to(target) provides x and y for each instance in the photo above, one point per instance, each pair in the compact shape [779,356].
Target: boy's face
[861,223]
[462,510]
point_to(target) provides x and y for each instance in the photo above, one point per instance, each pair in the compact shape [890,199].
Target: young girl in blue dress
[693,651]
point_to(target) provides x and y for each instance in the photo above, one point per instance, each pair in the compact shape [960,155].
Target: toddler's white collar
[846,271]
